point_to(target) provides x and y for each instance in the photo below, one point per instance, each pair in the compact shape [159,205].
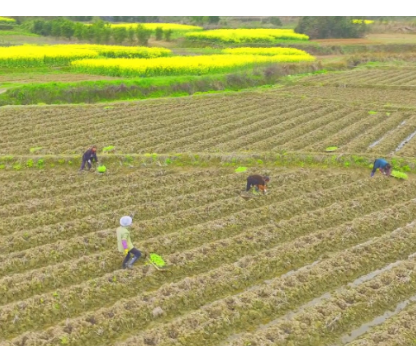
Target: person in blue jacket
[384,167]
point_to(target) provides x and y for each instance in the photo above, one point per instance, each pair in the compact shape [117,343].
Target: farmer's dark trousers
[83,165]
[134,254]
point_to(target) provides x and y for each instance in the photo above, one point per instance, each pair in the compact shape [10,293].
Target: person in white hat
[124,243]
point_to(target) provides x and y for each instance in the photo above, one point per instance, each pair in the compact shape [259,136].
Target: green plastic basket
[101,169]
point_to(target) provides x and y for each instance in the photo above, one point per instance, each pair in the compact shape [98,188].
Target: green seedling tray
[399,175]
[241,169]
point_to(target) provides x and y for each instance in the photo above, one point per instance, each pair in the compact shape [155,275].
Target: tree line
[99,32]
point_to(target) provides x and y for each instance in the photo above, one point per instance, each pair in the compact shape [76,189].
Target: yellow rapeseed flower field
[7,19]
[180,65]
[247,35]
[114,51]
[367,22]
[264,51]
[32,55]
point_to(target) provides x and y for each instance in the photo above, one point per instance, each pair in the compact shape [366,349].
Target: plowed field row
[367,76]
[218,322]
[289,125]
[397,330]
[372,98]
[75,279]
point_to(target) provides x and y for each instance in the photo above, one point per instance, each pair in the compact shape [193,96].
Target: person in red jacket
[259,182]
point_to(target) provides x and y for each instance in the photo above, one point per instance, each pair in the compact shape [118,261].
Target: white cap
[126,221]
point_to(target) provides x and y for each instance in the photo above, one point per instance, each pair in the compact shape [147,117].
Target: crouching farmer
[259,182]
[384,167]
[124,243]
[89,155]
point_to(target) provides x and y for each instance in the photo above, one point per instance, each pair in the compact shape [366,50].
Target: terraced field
[60,273]
[327,257]
[254,122]
[23,78]
[382,76]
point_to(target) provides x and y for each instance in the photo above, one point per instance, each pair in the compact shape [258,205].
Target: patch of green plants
[109,148]
[399,175]
[331,148]
[40,163]
[101,169]
[29,163]
[128,159]
[157,260]
[34,149]
[241,169]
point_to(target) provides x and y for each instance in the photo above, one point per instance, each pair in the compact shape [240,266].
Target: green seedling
[399,175]
[331,148]
[156,261]
[108,148]
[372,112]
[128,159]
[29,163]
[41,163]
[34,149]
[241,169]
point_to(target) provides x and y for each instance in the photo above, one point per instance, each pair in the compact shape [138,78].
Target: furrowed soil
[326,257]
[24,78]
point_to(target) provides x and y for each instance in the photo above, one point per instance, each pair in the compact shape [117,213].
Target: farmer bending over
[260,182]
[124,243]
[90,154]
[383,166]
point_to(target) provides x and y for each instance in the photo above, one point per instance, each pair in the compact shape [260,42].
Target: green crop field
[326,257]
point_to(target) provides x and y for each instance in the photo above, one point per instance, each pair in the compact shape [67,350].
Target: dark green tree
[56,28]
[330,27]
[79,31]
[213,19]
[143,34]
[119,34]
[159,33]
[168,35]
[67,29]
